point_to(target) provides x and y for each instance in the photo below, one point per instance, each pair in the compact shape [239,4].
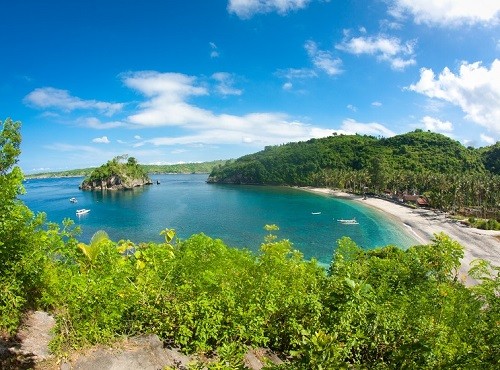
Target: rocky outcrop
[114,182]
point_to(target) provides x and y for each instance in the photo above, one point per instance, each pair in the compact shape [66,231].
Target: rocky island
[120,173]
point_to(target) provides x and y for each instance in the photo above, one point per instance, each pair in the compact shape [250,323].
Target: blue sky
[188,81]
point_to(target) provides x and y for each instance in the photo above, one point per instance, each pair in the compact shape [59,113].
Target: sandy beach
[424,223]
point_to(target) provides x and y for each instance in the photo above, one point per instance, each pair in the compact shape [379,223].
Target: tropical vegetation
[379,309]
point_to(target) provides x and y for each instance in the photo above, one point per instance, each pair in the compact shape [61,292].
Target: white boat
[82,211]
[351,221]
[315,213]
[73,200]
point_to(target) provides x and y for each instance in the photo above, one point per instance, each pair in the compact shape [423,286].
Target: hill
[308,163]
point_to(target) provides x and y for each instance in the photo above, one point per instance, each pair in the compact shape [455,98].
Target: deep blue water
[233,213]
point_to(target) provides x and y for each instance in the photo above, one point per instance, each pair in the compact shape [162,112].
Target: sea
[236,214]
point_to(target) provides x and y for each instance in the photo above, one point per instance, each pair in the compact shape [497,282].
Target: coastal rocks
[115,182]
[30,345]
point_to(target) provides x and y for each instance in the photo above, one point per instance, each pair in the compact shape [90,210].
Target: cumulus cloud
[323,60]
[436,125]
[448,12]
[352,107]
[101,140]
[351,126]
[377,104]
[248,8]
[168,103]
[49,97]
[389,49]
[487,139]
[475,89]
[287,86]
[225,82]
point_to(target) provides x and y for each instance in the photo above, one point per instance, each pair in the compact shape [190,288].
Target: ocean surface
[234,213]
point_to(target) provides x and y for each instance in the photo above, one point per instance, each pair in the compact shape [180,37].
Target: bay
[234,213]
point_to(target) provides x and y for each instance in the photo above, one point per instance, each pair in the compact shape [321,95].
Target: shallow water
[234,213]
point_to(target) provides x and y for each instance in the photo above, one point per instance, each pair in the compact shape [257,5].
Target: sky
[169,81]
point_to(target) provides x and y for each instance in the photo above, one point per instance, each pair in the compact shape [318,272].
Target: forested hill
[320,161]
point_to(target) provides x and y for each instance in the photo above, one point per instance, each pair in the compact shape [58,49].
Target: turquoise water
[233,213]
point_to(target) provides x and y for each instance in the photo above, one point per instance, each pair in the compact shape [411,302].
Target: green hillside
[303,163]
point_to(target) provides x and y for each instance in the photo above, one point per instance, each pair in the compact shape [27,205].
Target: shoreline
[423,223]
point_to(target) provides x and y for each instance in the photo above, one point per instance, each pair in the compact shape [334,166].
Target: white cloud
[377,104]
[49,97]
[323,60]
[389,49]
[247,8]
[137,137]
[352,107]
[102,140]
[287,86]
[436,125]
[225,84]
[351,126]
[487,139]
[296,73]
[96,123]
[167,104]
[214,53]
[448,12]
[475,89]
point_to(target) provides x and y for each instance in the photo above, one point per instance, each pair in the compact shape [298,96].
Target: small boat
[157,182]
[351,221]
[82,211]
[73,200]
[315,213]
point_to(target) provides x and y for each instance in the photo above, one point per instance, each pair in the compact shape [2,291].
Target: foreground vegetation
[379,309]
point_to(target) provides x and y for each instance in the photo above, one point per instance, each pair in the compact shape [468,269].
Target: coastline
[424,223]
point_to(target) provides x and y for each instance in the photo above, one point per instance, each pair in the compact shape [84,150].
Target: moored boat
[351,221]
[73,200]
[82,211]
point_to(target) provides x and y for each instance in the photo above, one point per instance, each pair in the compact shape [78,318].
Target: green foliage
[485,224]
[20,237]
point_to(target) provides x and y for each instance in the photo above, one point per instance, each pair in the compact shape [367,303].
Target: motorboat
[82,211]
[315,213]
[73,200]
[351,221]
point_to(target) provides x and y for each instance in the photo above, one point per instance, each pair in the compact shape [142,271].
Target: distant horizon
[195,81]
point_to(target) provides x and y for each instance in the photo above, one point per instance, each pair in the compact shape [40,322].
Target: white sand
[424,223]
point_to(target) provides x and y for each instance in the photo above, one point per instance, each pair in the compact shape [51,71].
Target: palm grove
[382,309]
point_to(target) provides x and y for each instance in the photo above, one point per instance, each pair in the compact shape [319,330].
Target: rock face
[114,182]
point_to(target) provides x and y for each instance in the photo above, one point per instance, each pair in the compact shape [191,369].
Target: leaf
[350,283]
